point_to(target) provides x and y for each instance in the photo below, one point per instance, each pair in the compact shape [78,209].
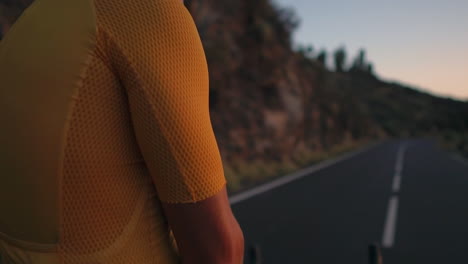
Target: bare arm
[206,232]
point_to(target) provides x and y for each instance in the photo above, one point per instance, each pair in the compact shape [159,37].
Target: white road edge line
[237,198]
[388,238]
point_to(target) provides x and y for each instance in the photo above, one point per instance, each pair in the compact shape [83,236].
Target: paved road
[408,196]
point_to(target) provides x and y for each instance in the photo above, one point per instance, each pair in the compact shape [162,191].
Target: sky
[422,43]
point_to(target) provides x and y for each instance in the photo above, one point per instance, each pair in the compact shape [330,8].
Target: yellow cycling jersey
[104,113]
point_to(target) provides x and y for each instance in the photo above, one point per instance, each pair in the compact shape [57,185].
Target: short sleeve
[157,54]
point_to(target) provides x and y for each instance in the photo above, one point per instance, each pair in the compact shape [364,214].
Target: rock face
[265,98]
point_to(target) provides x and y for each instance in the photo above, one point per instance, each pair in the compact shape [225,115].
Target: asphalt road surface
[408,196]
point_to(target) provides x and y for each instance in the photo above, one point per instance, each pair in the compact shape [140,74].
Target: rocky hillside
[266,99]
[275,109]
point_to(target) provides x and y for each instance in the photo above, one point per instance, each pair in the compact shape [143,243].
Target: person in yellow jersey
[107,153]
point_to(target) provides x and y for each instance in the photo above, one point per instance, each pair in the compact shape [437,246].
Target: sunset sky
[423,43]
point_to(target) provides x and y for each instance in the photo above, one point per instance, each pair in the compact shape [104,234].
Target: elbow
[239,246]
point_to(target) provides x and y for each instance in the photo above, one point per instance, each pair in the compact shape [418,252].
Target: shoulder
[128,15]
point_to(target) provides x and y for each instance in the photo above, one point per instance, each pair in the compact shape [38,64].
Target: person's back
[104,106]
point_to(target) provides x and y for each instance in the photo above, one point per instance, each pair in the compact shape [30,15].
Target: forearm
[228,249]
[206,232]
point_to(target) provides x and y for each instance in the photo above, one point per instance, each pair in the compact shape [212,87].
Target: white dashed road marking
[388,238]
[390,224]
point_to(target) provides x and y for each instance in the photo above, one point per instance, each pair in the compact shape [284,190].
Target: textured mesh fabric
[136,132]
[157,54]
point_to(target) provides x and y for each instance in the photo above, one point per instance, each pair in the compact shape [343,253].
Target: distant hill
[275,109]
